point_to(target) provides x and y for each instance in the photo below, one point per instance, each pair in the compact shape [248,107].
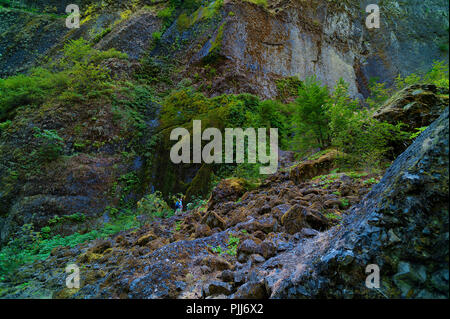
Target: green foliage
[249,172]
[182,106]
[340,110]
[356,133]
[288,88]
[379,93]
[230,249]
[76,217]
[195,203]
[356,175]
[50,144]
[155,71]
[156,36]
[323,119]
[225,111]
[28,246]
[310,117]
[45,232]
[178,225]
[5,125]
[75,75]
[411,79]
[166,15]
[333,216]
[344,202]
[418,132]
[32,89]
[370,181]
[153,205]
[101,35]
[129,184]
[437,75]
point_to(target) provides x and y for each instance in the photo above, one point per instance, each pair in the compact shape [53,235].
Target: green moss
[288,88]
[216,45]
[31,246]
[183,22]
[262,3]
[201,184]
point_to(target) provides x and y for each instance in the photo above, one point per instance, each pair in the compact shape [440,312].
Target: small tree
[310,117]
[340,109]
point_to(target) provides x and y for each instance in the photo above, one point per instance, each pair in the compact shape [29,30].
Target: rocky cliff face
[291,239]
[328,39]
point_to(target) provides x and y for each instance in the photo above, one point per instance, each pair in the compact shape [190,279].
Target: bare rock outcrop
[402,226]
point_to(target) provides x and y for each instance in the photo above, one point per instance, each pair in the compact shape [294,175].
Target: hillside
[87,175]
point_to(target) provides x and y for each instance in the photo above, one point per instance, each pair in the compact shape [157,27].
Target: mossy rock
[228,190]
[315,166]
[200,185]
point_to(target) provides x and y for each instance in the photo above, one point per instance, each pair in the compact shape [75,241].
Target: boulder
[227,190]
[216,288]
[213,220]
[314,167]
[100,246]
[214,262]
[299,217]
[251,290]
[143,240]
[416,106]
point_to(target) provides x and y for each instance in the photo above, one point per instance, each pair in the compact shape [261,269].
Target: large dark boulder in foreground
[402,226]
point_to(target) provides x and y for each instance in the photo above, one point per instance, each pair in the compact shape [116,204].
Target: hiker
[179,206]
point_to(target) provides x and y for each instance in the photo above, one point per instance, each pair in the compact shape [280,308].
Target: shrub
[379,93]
[32,89]
[231,248]
[355,132]
[166,15]
[438,75]
[153,205]
[196,202]
[28,246]
[50,144]
[75,75]
[156,36]
[310,117]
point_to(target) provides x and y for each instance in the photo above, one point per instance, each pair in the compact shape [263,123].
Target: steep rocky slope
[282,248]
[289,236]
[258,45]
